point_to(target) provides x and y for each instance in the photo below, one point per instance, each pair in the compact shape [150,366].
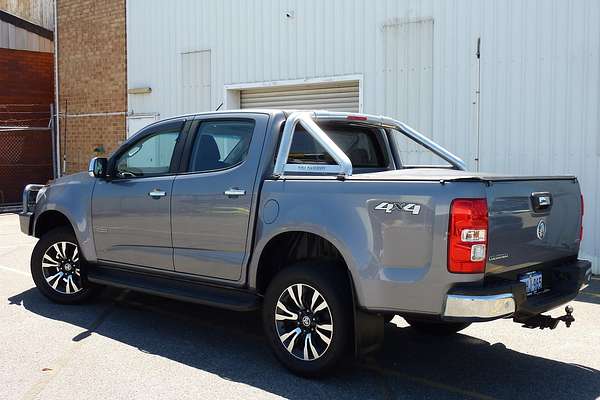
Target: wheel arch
[49,220]
[261,272]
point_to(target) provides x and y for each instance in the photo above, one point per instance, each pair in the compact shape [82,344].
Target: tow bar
[546,321]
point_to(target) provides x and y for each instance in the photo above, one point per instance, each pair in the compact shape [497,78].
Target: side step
[174,288]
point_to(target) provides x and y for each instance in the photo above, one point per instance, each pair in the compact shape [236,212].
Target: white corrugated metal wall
[195,81]
[540,70]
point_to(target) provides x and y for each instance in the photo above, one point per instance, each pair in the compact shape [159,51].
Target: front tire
[307,317]
[57,268]
[436,328]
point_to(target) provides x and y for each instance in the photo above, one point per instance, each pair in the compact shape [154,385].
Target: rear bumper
[504,298]
[480,307]
[25,221]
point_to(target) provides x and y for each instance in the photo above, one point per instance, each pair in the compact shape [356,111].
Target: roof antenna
[220,105]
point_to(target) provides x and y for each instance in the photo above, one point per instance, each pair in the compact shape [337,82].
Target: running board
[178,289]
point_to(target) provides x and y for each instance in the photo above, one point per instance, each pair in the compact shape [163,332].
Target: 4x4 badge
[388,207]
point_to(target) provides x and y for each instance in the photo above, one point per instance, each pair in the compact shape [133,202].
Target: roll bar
[308,120]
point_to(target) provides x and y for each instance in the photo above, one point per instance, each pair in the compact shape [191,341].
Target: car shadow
[591,294]
[232,346]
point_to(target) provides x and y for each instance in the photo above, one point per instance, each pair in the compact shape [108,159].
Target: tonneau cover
[436,174]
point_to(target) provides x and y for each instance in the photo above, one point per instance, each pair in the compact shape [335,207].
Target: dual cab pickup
[329,222]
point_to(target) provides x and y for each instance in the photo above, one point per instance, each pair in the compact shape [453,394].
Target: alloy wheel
[61,268]
[303,322]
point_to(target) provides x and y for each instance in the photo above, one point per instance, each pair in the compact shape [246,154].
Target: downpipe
[56,93]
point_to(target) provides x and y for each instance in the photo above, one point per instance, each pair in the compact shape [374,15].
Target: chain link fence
[26,150]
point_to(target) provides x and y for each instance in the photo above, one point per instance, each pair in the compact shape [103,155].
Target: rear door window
[220,145]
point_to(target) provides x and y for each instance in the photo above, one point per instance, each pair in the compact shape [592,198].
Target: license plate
[532,281]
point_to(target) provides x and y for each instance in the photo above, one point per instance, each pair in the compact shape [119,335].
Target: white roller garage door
[333,96]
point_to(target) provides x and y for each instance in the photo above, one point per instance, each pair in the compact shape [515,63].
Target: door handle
[234,192]
[156,193]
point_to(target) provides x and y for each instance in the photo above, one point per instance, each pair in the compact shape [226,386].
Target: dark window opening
[359,143]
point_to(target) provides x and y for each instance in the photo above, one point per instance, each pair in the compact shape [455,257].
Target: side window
[150,156]
[220,145]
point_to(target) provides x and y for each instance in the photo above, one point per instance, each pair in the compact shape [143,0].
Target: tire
[436,328]
[306,323]
[60,277]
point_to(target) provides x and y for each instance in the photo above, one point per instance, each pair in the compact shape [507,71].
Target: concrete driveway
[126,345]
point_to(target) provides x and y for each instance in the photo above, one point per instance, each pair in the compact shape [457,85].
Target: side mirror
[97,167]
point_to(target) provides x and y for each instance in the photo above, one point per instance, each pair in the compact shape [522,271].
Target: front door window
[150,156]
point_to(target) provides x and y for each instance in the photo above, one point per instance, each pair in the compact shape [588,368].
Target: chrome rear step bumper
[484,307]
[506,298]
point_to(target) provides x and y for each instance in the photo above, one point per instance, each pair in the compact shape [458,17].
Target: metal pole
[56,89]
[64,159]
[477,99]
[53,133]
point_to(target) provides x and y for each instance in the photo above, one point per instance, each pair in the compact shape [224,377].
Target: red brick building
[27,91]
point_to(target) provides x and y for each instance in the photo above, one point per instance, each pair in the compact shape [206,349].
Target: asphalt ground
[126,345]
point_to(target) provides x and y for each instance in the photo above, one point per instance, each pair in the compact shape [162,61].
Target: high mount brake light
[356,118]
[467,236]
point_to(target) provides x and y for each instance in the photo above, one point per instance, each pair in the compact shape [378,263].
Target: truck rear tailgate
[532,222]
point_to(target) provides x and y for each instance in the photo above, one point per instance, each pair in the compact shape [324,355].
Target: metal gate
[26,150]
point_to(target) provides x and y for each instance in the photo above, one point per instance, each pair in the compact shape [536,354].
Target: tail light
[581,220]
[467,236]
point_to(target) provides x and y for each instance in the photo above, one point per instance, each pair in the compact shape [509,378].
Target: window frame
[179,125]
[193,134]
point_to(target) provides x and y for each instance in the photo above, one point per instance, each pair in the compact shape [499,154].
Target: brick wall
[92,77]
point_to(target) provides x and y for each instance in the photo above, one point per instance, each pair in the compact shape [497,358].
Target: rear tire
[307,317]
[437,328]
[58,268]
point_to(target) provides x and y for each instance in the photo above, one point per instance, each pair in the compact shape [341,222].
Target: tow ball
[546,321]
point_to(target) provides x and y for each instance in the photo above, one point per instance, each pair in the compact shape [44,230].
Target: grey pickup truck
[330,222]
